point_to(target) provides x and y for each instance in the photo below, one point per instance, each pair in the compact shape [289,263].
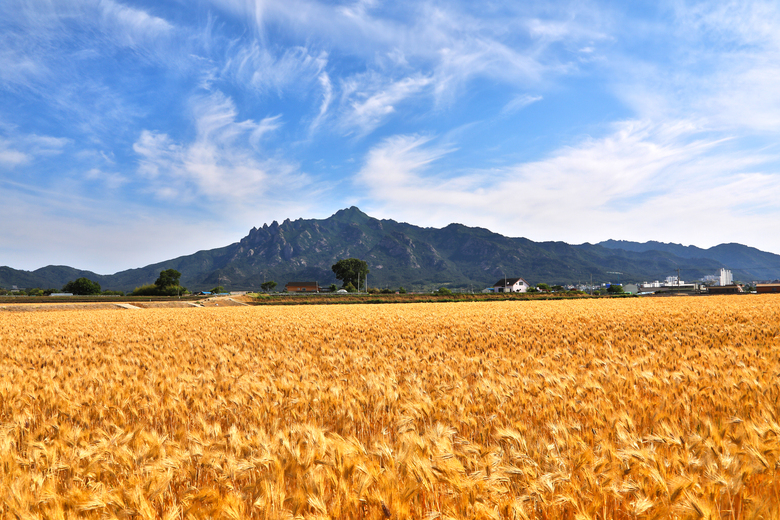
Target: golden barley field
[607,409]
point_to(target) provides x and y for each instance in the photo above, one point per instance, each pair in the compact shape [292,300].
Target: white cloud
[468,59]
[409,51]
[17,149]
[641,182]
[723,70]
[327,98]
[519,102]
[61,60]
[10,157]
[130,26]
[17,68]
[111,180]
[369,105]
[396,165]
[261,68]
[222,163]
[47,25]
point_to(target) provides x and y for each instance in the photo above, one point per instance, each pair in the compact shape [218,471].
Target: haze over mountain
[416,257]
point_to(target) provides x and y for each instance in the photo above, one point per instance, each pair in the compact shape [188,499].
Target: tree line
[167,284]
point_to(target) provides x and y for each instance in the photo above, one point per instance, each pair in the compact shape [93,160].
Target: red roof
[301,284]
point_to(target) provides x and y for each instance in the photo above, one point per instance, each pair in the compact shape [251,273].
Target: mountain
[415,257]
[746,263]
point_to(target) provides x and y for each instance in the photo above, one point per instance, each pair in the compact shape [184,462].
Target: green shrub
[156,290]
[146,290]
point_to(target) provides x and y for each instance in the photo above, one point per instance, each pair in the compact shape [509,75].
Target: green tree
[168,278]
[615,289]
[82,286]
[333,287]
[350,271]
[543,287]
[350,288]
[443,291]
[401,290]
[268,286]
[168,284]
[218,290]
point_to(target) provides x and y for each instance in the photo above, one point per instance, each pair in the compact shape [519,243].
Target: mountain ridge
[399,253]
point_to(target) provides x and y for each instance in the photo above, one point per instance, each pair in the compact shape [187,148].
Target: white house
[511,285]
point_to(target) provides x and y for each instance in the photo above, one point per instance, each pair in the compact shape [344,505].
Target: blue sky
[133,132]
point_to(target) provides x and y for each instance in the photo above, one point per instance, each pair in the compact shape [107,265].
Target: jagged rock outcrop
[403,254]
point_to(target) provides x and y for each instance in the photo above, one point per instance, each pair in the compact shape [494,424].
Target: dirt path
[135,305]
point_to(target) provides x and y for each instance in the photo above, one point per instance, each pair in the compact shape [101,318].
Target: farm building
[511,285]
[725,289]
[302,287]
[762,288]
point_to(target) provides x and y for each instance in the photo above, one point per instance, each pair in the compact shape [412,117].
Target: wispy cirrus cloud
[366,107]
[519,102]
[261,68]
[81,29]
[72,59]
[421,52]
[327,98]
[132,27]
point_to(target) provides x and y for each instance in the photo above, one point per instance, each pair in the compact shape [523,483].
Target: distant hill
[455,256]
[746,263]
